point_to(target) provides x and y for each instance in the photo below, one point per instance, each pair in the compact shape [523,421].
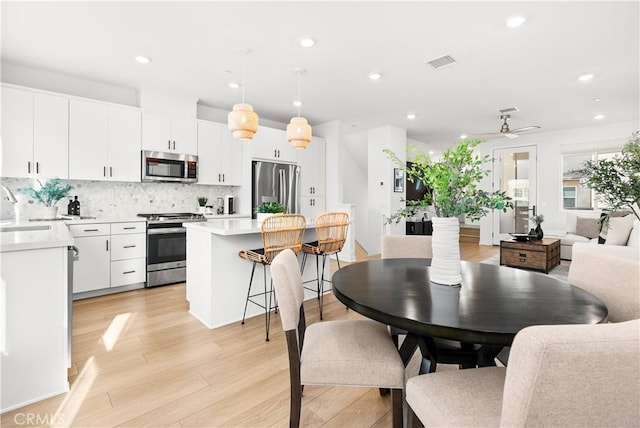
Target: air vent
[508,110]
[441,62]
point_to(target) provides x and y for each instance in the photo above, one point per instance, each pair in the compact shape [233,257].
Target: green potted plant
[616,181]
[266,209]
[48,194]
[453,181]
[202,203]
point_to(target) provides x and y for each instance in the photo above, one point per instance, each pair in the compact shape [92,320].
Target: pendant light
[298,130]
[242,120]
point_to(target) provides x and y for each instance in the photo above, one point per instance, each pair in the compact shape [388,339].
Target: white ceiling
[196,50]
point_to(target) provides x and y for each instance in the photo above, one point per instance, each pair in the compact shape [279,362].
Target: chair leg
[296,407]
[396,407]
[321,292]
[412,419]
[267,308]
[244,314]
[318,278]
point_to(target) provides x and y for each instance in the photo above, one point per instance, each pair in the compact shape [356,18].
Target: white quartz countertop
[31,235]
[239,226]
[226,216]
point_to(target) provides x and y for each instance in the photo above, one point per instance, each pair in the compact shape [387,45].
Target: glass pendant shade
[242,122]
[299,133]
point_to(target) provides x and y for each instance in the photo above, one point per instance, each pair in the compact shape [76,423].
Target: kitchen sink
[22,228]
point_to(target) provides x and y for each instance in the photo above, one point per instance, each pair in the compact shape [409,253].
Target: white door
[515,172]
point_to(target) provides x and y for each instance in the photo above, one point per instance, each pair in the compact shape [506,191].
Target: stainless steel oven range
[167,247]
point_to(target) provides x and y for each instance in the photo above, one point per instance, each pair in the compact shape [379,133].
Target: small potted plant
[267,209]
[48,194]
[202,202]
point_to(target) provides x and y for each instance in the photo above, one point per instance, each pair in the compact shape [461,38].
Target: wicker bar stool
[279,232]
[331,231]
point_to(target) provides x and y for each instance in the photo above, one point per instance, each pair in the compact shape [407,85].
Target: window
[575,196]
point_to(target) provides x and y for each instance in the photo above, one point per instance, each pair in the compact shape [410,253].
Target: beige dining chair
[343,353]
[279,232]
[560,376]
[331,233]
[614,280]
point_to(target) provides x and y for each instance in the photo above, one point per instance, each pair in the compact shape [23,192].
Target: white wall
[551,146]
[383,201]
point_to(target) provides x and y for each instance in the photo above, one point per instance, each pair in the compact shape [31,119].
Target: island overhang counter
[218,279]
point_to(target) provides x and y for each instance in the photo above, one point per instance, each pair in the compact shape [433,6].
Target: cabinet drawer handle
[129,271]
[523,255]
[90,230]
[129,246]
[129,228]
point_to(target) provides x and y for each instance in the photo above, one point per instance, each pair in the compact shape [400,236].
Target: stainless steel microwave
[169,167]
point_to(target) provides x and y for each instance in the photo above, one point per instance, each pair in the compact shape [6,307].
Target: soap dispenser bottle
[70,207]
[76,206]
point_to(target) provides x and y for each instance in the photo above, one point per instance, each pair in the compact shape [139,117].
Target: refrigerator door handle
[282,189]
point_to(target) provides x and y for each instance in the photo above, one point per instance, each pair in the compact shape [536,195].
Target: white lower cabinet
[311,206]
[110,255]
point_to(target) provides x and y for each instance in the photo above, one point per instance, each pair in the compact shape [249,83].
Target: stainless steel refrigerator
[275,182]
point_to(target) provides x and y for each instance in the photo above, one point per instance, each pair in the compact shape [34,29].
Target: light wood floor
[140,359]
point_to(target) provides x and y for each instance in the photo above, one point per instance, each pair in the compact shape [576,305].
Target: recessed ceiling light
[585,77]
[596,100]
[143,59]
[516,21]
[431,152]
[411,116]
[307,42]
[598,116]
[375,75]
[297,103]
[233,85]
[463,136]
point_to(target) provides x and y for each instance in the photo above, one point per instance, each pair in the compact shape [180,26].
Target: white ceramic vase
[261,216]
[50,212]
[445,263]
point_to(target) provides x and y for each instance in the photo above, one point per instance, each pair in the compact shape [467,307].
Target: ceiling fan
[509,133]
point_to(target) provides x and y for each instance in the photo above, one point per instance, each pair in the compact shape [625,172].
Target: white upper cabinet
[123,151]
[312,168]
[104,141]
[88,140]
[271,144]
[219,155]
[35,134]
[164,133]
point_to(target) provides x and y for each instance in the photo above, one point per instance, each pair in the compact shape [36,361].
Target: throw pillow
[619,230]
[634,236]
[588,227]
[605,227]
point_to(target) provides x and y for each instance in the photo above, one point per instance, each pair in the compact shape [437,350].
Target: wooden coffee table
[541,255]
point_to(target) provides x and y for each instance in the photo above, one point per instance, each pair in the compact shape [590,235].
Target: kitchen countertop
[226,216]
[57,234]
[239,226]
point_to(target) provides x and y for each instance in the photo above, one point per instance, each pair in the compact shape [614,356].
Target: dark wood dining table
[482,315]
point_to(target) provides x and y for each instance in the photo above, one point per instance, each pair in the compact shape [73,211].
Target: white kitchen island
[217,278]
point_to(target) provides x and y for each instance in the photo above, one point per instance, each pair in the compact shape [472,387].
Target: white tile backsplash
[103,199]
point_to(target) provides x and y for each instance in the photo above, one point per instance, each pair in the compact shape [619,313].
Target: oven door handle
[162,231]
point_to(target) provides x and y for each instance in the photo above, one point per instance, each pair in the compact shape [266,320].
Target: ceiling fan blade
[525,128]
[510,135]
[486,133]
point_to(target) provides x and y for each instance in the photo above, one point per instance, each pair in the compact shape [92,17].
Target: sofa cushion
[572,217]
[619,230]
[570,239]
[605,226]
[634,236]
[588,227]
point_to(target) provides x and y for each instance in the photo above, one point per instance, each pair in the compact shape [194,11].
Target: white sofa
[575,233]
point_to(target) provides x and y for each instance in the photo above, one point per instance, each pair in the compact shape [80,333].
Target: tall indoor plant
[453,181]
[616,181]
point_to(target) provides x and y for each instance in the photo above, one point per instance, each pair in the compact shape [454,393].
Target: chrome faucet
[10,195]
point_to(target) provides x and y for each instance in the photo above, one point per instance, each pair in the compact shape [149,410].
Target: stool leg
[304,262]
[253,269]
[324,260]
[318,279]
[267,309]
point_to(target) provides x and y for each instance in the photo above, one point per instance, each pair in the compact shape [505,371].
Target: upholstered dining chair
[614,279]
[563,375]
[279,232]
[344,353]
[331,232]
[404,246]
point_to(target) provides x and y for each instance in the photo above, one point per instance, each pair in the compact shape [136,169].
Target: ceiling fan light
[516,21]
[299,133]
[242,122]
